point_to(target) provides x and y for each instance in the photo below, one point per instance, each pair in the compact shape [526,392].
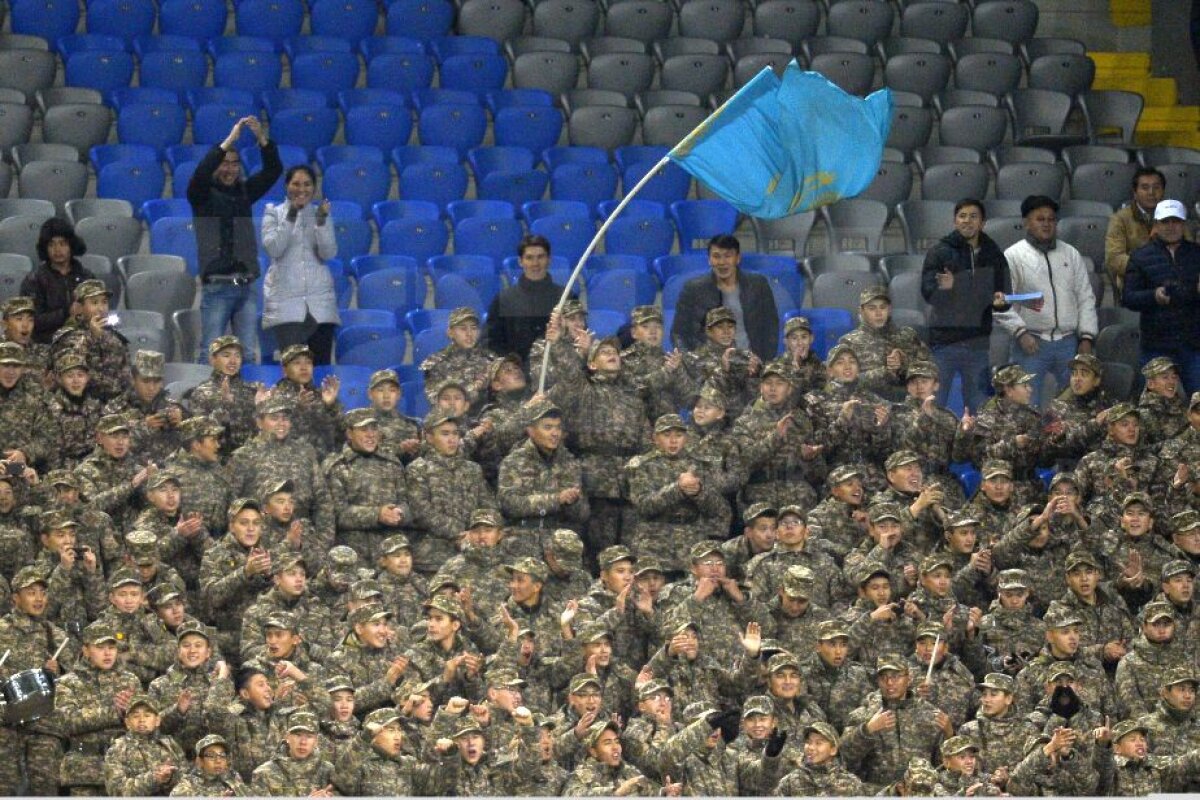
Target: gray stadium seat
[665,97]
[700,74]
[186,331]
[1018,181]
[666,49]
[111,236]
[21,41]
[164,291]
[866,20]
[934,154]
[85,207]
[553,72]
[628,73]
[1183,181]
[81,125]
[25,206]
[187,371]
[1005,231]
[582,98]
[900,45]
[892,184]
[1121,343]
[144,338]
[1108,183]
[1040,118]
[23,154]
[1111,115]
[102,267]
[499,19]
[1153,156]
[13,269]
[645,20]
[905,290]
[925,222]
[784,235]
[790,20]
[1012,20]
[978,44]
[897,264]
[6,179]
[814,46]
[1040,46]
[954,181]
[853,72]
[609,45]
[1085,233]
[606,127]
[19,234]
[1084,208]
[855,225]
[56,181]
[16,125]
[520,45]
[911,128]
[667,125]
[1018,155]
[27,71]
[722,20]
[921,73]
[1079,154]
[995,73]
[1117,380]
[67,95]
[569,20]
[751,64]
[1065,72]
[150,262]
[942,22]
[979,128]
[841,289]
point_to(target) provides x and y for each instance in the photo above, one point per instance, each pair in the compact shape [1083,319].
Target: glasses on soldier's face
[215,756]
[712,562]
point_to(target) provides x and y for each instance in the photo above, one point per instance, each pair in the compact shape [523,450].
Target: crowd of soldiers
[793,588]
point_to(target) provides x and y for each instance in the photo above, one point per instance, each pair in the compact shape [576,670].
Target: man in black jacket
[746,294]
[964,279]
[518,315]
[226,247]
[52,284]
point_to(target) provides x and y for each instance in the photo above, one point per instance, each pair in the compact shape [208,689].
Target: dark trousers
[317,335]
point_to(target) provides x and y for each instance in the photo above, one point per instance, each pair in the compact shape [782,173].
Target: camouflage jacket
[872,346]
[186,728]
[642,744]
[367,669]
[394,429]
[936,438]
[1001,740]
[718,771]
[952,686]
[529,483]
[196,783]
[881,758]
[706,365]
[143,645]
[1106,620]
[107,485]
[797,634]
[832,523]
[996,429]
[861,440]
[284,776]
[314,622]
[73,426]
[226,591]
[1173,733]
[1093,683]
[468,365]
[1140,674]
[705,679]
[1123,777]
[235,413]
[776,471]
[830,779]
[443,492]
[263,461]
[365,771]
[1097,477]
[721,621]
[870,638]
[185,554]
[360,484]
[106,353]
[593,779]
[1038,775]
[668,390]
[130,763]
[1006,633]
[1081,432]
[253,735]
[809,373]
[148,444]
[716,444]
[25,423]
[87,717]
[1162,417]
[314,421]
[206,489]
[837,690]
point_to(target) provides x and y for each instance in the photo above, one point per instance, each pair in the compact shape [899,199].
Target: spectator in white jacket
[299,299]
[1047,332]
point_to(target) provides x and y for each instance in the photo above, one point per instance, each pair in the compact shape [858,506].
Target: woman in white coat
[299,300]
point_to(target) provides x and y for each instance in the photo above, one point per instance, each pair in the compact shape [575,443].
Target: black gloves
[775,743]
[728,722]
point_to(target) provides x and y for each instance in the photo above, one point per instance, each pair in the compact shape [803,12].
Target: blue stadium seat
[494,237]
[347,209]
[154,210]
[400,72]
[419,19]
[634,209]
[475,72]
[566,208]
[181,175]
[670,185]
[413,398]
[569,235]
[266,373]
[535,127]
[101,70]
[699,220]
[634,236]
[438,266]
[517,188]
[221,45]
[485,160]
[605,322]
[555,157]
[495,209]
[352,20]
[102,155]
[427,96]
[590,184]
[419,238]
[309,128]
[134,181]
[196,19]
[83,42]
[631,154]
[453,125]
[277,20]
[253,71]
[828,325]
[174,69]
[352,98]
[388,210]
[365,265]
[670,293]
[385,127]
[302,45]
[382,335]
[424,319]
[374,46]
[428,342]
[597,264]
[124,18]
[49,19]
[392,289]
[423,154]
[165,42]
[134,95]
[152,124]
[436,182]
[455,291]
[276,100]
[325,72]
[687,264]
[375,354]
[449,46]
[507,98]
[211,122]
[780,270]
[361,182]
[353,238]
[373,317]
[219,94]
[621,290]
[332,154]
[175,236]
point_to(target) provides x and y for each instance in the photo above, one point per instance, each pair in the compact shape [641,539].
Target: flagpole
[587,252]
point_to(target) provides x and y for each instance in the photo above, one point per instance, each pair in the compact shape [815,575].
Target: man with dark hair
[1129,228]
[518,315]
[52,283]
[964,280]
[747,295]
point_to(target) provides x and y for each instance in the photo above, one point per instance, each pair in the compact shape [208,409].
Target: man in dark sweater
[226,247]
[518,315]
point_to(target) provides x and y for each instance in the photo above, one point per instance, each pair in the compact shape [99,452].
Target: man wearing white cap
[1162,283]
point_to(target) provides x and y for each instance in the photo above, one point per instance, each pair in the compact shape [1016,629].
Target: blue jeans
[1186,359]
[968,360]
[1052,358]
[223,305]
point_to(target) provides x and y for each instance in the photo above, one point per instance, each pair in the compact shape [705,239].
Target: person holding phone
[299,300]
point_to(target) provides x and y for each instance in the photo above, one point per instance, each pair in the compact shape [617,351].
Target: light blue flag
[782,146]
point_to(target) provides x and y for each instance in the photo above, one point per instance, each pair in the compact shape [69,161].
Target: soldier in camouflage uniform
[463,359]
[710,437]
[87,332]
[605,772]
[949,685]
[444,489]
[480,565]
[839,522]
[110,475]
[1120,465]
[793,615]
[314,620]
[794,547]
[202,479]
[676,502]
[885,350]
[18,524]
[295,677]
[799,355]
[1163,408]
[368,487]
[142,556]
[719,363]
[878,622]
[143,647]
[502,420]
[1076,414]
[960,773]
[540,482]
[1127,769]
[1155,652]
[777,445]
[378,765]
[821,773]
[400,435]
[1107,627]
[179,693]
[17,314]
[96,529]
[923,503]
[143,762]
[697,673]
[994,504]
[371,656]
[836,683]
[643,739]
[1009,632]
[1062,651]
[887,543]
[76,580]
[998,729]
[1052,767]
[211,775]
[316,408]
[303,770]
[181,540]
[1009,428]
[244,712]
[853,424]
[75,413]
[153,416]
[1181,449]
[920,425]
[1134,555]
[403,590]
[89,704]
[971,568]
[24,417]
[445,655]
[700,757]
[669,387]
[234,572]
[892,726]
[225,397]
[1173,724]
[286,532]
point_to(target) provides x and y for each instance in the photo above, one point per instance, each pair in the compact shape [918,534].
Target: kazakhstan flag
[783,146]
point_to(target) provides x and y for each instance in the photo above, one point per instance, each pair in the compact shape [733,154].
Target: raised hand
[752,639]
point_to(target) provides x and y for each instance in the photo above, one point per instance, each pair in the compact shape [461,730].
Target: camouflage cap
[759,704]
[64,477]
[782,661]
[194,627]
[649,564]
[611,555]
[339,683]
[199,426]
[142,546]
[573,307]
[241,504]
[653,687]
[303,722]
[891,661]
[450,383]
[797,323]
[1000,682]
[531,567]
[958,744]
[1062,477]
[793,510]
[843,473]
[12,353]
[870,569]
[123,577]
[91,288]
[682,625]
[504,678]
[495,366]
[716,316]
[643,314]
[211,740]
[342,559]
[293,352]
[148,364]
[371,612]
[383,376]
[1128,726]
[162,478]
[594,632]
[380,718]
[1157,366]
[1089,362]
[566,542]
[922,369]
[597,730]
[920,776]
[995,467]
[17,305]
[288,561]
[782,371]
[70,360]
[462,314]
[581,681]
[283,620]
[1180,673]
[435,418]
[1061,669]
[877,292]
[221,342]
[824,730]
[930,630]
[698,710]
[1138,498]
[962,518]
[143,700]
[1177,567]
[445,604]
[832,629]
[112,423]
[1061,617]
[669,422]
[756,510]
[394,544]
[365,589]
[1081,558]
[439,582]
[99,632]
[1158,609]
[1121,410]
[28,576]
[486,518]
[164,593]
[359,418]
[798,581]
[1011,375]
[937,561]
[1013,579]
[704,547]
[540,409]
[839,350]
[900,458]
[878,512]
[57,519]
[1185,521]
[713,396]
